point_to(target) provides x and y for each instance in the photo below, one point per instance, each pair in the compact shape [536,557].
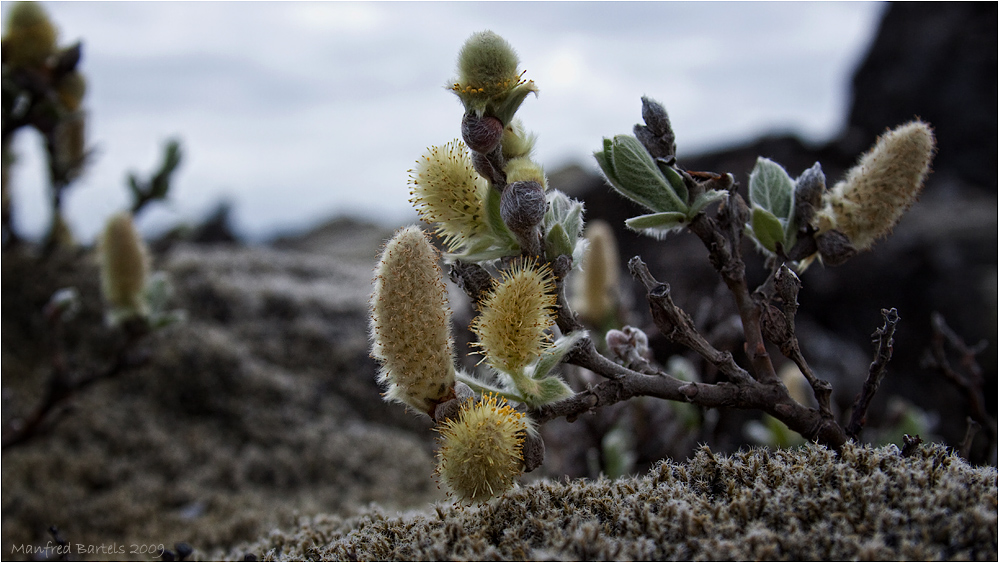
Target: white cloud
[300,110]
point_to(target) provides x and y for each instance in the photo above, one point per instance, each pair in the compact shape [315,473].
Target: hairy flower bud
[523,206]
[124,267]
[448,191]
[481,452]
[411,323]
[487,66]
[597,288]
[881,187]
[523,169]
[517,141]
[481,134]
[515,317]
[30,36]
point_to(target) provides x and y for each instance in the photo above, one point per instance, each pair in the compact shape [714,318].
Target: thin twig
[885,344]
[63,384]
[969,380]
[678,327]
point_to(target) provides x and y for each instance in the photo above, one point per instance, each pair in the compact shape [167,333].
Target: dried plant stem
[883,337]
[63,384]
[722,239]
[969,379]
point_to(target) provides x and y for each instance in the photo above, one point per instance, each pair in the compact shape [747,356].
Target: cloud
[299,110]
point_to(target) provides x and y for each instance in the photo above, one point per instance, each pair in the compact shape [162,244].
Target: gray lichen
[804,504]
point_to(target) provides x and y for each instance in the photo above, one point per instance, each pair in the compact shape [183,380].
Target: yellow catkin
[597,288]
[447,191]
[124,265]
[481,451]
[512,327]
[30,37]
[881,187]
[411,322]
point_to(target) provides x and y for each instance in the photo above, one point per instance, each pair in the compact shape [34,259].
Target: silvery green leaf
[657,224]
[637,177]
[505,108]
[482,387]
[550,390]
[495,219]
[675,180]
[704,200]
[565,210]
[553,356]
[767,229]
[557,242]
[771,188]
[603,159]
[489,253]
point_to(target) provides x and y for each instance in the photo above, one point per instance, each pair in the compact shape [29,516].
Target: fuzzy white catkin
[124,265]
[411,322]
[881,187]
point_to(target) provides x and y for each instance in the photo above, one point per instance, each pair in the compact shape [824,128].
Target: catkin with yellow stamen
[411,322]
[487,66]
[481,451]
[124,266]
[447,191]
[881,187]
[30,37]
[512,327]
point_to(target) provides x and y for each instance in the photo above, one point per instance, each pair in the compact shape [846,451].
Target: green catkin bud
[411,323]
[124,264]
[487,66]
[517,141]
[481,451]
[515,317]
[447,190]
[598,285]
[30,36]
[523,169]
[881,187]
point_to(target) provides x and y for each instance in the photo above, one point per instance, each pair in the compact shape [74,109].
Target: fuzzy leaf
[550,390]
[675,180]
[767,229]
[633,173]
[553,356]
[666,220]
[704,200]
[771,188]
[557,242]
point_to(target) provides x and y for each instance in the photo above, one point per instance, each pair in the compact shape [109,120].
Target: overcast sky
[296,112]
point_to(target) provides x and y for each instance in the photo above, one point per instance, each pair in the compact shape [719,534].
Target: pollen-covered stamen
[448,192]
[515,318]
[481,451]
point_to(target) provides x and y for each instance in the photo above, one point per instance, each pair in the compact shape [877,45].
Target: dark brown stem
[779,329]
[969,380]
[722,239]
[678,327]
[885,344]
[751,395]
[62,384]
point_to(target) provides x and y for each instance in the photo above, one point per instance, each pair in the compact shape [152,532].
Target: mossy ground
[805,504]
[257,427]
